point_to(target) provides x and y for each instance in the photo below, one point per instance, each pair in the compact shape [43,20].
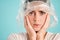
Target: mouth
[36,25]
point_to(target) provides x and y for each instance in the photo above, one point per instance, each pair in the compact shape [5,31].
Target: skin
[40,17]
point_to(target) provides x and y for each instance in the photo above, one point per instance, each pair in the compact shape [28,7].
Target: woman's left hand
[41,33]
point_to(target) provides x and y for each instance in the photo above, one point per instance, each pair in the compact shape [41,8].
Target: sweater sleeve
[14,37]
[57,37]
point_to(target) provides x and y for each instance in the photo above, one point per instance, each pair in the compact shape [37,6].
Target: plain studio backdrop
[8,22]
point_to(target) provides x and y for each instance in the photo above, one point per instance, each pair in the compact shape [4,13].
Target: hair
[22,9]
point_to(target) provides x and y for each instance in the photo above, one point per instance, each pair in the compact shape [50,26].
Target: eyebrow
[38,11]
[32,11]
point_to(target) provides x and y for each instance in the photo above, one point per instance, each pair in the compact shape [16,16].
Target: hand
[41,33]
[29,29]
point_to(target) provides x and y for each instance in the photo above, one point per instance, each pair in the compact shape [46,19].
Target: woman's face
[37,18]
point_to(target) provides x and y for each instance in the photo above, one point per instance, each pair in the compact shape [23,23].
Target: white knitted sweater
[23,36]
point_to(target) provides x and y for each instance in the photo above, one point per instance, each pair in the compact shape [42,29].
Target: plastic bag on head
[22,9]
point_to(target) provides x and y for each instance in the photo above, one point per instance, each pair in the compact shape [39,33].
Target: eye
[31,13]
[42,12]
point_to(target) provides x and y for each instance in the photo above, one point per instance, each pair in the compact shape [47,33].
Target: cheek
[30,19]
[42,20]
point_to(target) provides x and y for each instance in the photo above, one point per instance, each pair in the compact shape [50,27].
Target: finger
[27,25]
[45,25]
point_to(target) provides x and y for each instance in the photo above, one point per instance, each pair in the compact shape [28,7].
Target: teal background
[8,13]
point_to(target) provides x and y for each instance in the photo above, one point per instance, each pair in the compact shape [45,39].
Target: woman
[37,21]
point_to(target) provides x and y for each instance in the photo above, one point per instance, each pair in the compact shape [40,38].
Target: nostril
[34,20]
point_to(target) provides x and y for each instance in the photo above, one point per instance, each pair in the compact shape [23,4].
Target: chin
[35,29]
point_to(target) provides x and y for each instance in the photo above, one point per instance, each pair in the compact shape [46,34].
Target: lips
[36,25]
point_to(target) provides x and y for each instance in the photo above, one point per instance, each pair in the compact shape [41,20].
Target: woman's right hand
[29,29]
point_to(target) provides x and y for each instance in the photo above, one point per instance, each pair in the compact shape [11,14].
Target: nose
[36,17]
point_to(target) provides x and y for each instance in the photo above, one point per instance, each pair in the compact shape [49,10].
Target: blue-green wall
[8,13]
